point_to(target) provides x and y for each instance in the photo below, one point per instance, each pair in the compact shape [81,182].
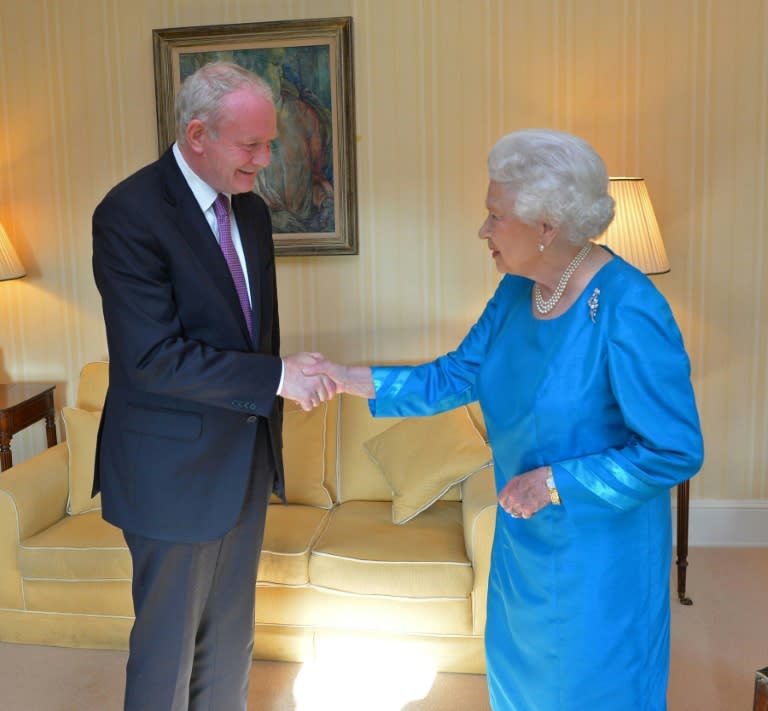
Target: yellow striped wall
[675,91]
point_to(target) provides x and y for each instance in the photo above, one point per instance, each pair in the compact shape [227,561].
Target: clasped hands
[310,378]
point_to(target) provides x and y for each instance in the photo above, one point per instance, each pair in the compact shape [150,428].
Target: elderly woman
[582,376]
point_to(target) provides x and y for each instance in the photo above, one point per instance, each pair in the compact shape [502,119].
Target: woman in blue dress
[584,383]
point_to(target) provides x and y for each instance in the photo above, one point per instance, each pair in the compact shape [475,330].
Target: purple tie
[221,208]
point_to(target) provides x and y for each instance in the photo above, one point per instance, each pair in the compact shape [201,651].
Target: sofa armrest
[33,496]
[479,506]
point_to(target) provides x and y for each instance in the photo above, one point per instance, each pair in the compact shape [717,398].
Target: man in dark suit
[189,446]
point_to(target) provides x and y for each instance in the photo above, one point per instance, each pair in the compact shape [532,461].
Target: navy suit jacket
[191,408]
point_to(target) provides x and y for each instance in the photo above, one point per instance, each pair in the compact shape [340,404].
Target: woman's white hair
[201,94]
[556,178]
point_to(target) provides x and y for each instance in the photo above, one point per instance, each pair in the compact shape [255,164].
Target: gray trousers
[192,641]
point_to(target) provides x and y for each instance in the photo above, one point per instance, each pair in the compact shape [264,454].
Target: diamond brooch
[594,303]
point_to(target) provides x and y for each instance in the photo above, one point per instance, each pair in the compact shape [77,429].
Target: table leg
[6,458]
[50,429]
[683,504]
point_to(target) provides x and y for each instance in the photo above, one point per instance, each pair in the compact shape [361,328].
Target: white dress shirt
[206,196]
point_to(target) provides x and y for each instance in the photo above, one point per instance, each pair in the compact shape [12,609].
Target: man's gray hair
[201,94]
[556,178]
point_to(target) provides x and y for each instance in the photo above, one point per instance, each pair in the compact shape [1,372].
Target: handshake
[310,378]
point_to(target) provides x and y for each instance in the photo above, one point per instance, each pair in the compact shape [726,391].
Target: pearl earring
[541,246]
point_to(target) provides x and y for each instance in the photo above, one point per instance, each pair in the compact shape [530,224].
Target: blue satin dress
[578,599]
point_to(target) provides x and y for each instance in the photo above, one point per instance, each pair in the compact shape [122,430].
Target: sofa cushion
[81,428]
[82,547]
[423,457]
[83,597]
[288,538]
[92,385]
[85,547]
[362,551]
[358,478]
[304,456]
[476,415]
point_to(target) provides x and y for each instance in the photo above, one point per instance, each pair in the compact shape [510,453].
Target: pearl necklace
[545,306]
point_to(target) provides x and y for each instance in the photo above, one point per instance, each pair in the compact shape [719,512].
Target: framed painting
[310,186]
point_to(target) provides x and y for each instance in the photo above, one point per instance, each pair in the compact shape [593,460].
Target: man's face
[230,159]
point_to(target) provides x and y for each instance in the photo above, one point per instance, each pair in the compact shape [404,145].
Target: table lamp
[634,233]
[10,266]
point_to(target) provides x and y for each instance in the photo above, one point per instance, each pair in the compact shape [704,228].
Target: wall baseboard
[726,523]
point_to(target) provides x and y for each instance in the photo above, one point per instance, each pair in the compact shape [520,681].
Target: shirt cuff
[282,377]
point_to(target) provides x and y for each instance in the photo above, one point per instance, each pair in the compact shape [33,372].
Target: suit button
[252,419]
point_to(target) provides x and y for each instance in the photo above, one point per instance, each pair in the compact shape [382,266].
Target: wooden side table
[22,404]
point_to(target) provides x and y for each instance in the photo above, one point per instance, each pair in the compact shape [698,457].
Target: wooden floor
[718,644]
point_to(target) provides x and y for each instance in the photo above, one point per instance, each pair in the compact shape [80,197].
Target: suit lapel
[196,233]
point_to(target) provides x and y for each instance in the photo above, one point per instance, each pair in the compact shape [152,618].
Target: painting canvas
[310,184]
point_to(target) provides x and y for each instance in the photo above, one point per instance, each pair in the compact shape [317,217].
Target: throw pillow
[304,457]
[422,457]
[81,428]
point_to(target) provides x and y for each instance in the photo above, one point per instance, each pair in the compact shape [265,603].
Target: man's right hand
[306,390]
[355,380]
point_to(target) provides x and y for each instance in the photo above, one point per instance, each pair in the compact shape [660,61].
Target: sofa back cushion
[359,479]
[81,424]
[309,454]
[81,427]
[92,386]
[476,415]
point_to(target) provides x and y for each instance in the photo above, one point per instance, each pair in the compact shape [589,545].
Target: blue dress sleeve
[649,374]
[443,384]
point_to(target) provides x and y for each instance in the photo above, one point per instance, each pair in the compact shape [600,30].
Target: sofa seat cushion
[361,551]
[288,537]
[82,547]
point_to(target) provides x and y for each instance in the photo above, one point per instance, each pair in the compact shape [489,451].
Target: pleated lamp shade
[10,266]
[634,233]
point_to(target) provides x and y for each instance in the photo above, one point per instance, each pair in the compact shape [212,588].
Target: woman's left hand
[526,493]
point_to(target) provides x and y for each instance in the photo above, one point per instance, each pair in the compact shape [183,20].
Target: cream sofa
[334,566]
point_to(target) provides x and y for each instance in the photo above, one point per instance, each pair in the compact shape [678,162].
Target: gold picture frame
[310,187]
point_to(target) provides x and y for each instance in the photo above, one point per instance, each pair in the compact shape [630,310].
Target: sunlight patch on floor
[353,675]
